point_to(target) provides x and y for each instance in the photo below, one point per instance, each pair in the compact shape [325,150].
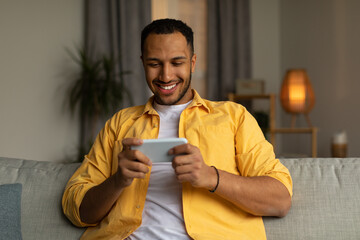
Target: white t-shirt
[162,216]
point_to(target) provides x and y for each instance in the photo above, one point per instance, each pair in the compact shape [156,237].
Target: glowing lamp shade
[297,95]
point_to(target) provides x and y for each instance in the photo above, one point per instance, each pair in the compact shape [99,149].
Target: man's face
[168,66]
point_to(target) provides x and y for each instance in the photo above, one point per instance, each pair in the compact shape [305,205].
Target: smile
[168,87]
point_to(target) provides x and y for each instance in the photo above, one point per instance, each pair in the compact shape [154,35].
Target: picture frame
[249,87]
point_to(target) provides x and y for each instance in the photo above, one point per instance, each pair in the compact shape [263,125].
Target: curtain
[228,47]
[113,27]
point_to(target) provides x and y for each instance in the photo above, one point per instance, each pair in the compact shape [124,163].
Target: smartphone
[157,149]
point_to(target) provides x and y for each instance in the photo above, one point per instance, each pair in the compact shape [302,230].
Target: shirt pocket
[217,146]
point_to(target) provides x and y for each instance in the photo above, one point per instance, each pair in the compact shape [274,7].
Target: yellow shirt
[228,138]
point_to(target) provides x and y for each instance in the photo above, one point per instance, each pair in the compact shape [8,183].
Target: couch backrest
[326,201]
[43,184]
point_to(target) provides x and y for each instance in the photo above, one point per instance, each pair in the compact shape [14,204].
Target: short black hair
[168,26]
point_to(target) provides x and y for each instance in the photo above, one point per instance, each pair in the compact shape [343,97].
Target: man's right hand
[99,199]
[132,163]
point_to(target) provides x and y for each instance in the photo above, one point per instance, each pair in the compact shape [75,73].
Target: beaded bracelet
[218,179]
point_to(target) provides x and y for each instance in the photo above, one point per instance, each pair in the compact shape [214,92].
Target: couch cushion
[326,201]
[43,184]
[10,212]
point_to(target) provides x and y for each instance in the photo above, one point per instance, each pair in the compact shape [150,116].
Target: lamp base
[293,120]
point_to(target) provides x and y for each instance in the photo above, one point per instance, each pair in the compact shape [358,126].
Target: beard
[181,94]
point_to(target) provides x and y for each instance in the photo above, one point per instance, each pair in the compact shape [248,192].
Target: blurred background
[254,39]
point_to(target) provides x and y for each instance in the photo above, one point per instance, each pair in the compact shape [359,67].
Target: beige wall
[265,42]
[33,67]
[323,36]
[265,52]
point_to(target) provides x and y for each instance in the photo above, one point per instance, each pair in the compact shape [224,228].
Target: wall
[265,51]
[265,42]
[33,70]
[323,36]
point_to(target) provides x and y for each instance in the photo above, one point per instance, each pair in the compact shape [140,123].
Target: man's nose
[166,73]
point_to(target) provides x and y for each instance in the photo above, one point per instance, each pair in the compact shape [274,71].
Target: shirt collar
[196,102]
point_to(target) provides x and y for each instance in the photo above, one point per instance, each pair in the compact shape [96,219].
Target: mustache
[157,81]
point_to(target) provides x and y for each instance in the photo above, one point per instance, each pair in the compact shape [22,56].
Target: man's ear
[142,59]
[193,62]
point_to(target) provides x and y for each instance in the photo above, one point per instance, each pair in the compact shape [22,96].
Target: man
[218,185]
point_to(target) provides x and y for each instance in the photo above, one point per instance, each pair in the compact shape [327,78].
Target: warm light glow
[297,91]
[297,95]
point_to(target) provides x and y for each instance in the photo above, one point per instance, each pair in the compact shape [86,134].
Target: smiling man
[216,187]
[168,64]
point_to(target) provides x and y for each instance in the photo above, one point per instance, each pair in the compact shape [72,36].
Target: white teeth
[168,87]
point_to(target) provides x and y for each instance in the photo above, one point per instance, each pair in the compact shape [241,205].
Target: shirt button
[137,206]
[155,125]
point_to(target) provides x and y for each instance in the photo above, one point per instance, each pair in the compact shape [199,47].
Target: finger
[128,167]
[138,156]
[186,177]
[130,173]
[182,149]
[128,142]
[180,160]
[136,166]
[134,154]
[194,177]
[183,169]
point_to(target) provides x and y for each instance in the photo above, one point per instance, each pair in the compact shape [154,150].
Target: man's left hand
[190,167]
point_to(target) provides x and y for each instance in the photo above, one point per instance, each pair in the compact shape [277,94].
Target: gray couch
[326,201]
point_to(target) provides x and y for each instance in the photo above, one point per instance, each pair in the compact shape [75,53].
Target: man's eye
[177,63]
[153,64]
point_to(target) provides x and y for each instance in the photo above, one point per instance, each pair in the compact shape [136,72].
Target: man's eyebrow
[174,58]
[179,58]
[152,59]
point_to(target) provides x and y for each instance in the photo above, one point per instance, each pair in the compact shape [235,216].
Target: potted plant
[96,92]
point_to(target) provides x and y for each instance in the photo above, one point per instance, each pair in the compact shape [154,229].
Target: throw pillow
[10,211]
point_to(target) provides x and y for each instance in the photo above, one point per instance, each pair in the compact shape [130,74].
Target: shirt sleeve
[255,155]
[95,169]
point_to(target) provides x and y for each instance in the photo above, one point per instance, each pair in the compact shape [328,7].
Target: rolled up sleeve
[95,169]
[255,155]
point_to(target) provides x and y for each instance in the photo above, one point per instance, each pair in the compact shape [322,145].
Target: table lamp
[297,95]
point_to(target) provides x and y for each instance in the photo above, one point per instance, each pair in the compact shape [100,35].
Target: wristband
[218,179]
